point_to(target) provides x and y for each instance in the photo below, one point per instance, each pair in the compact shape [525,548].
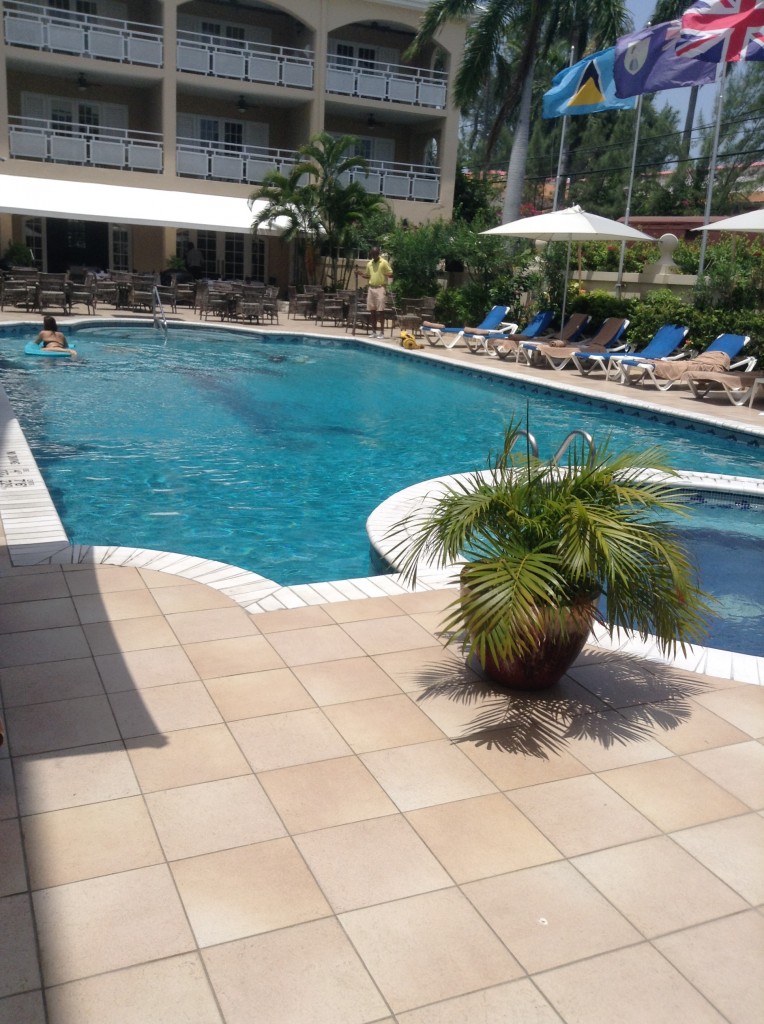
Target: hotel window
[207,244]
[120,247]
[233,264]
[257,272]
[33,238]
[233,134]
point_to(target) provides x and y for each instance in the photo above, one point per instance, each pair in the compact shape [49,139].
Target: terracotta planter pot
[555,649]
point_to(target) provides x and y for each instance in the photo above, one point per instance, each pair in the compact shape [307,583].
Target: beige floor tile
[673,794]
[102,579]
[426,600]
[615,739]
[83,842]
[88,775]
[47,614]
[308,646]
[138,670]
[296,737]
[484,836]
[33,588]
[657,886]
[293,618]
[356,611]
[308,974]
[699,730]
[155,579]
[18,954]
[141,634]
[27,1008]
[163,709]
[211,624]
[631,986]
[723,959]
[430,665]
[431,622]
[370,862]
[382,636]
[517,1002]
[334,682]
[623,681]
[60,724]
[742,706]
[106,923]
[60,680]
[8,805]
[175,991]
[733,850]
[581,814]
[120,604]
[215,658]
[258,693]
[549,915]
[36,646]
[511,769]
[12,871]
[428,947]
[189,598]
[382,722]
[739,768]
[194,820]
[247,890]
[186,758]
[325,793]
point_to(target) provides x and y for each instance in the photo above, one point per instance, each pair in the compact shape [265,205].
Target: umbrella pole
[565,288]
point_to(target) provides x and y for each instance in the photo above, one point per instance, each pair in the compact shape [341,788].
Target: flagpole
[630,189]
[558,178]
[712,164]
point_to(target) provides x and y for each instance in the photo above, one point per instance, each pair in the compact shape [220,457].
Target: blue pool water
[269,452]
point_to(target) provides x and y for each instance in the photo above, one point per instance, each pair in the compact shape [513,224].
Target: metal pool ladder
[555,460]
[160,320]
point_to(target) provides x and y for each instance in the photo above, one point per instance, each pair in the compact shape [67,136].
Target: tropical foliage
[532,542]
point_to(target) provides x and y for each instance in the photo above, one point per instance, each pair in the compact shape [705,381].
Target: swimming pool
[269,452]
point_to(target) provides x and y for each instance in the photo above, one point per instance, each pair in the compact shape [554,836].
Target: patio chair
[574,328]
[52,291]
[739,388]
[534,329]
[665,373]
[83,293]
[607,339]
[663,344]
[438,334]
[17,292]
[358,316]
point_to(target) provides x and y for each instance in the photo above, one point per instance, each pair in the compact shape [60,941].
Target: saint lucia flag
[585,88]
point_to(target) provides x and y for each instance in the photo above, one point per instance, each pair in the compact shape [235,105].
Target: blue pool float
[33,349]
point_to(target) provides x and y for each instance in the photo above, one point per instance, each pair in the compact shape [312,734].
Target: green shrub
[599,305]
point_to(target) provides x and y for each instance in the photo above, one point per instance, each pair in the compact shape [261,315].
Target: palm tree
[321,208]
[489,58]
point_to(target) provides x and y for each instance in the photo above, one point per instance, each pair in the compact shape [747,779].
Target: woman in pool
[51,338]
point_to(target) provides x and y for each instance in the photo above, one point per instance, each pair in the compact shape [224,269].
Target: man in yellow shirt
[378,272]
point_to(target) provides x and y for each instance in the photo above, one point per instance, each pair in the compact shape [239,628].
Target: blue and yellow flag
[585,88]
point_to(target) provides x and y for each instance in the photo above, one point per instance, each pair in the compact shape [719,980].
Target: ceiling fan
[84,83]
[372,123]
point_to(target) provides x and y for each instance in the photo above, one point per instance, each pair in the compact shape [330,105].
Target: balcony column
[169,88]
[319,72]
[4,131]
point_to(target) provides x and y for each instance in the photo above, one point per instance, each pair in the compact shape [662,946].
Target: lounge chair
[609,338]
[534,329]
[739,388]
[439,334]
[482,341]
[574,327]
[665,373]
[663,344]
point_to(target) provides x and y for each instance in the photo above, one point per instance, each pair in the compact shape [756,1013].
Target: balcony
[216,161]
[43,28]
[52,142]
[395,83]
[245,62]
[397,181]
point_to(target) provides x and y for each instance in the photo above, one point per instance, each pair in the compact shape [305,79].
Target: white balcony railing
[35,139]
[374,80]
[397,181]
[220,162]
[45,28]
[247,62]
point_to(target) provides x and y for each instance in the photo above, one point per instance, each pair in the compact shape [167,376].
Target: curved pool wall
[35,535]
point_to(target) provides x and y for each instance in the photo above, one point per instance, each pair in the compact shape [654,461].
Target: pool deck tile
[176,810]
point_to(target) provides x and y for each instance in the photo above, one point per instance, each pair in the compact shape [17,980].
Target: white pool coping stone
[35,536]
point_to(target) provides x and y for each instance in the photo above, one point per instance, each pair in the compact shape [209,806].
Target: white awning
[123,204]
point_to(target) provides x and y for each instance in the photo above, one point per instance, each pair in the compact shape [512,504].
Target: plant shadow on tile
[543,724]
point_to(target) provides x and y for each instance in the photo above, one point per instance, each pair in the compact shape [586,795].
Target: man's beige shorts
[375,299]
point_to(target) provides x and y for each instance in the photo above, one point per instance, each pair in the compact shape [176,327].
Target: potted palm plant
[543,551]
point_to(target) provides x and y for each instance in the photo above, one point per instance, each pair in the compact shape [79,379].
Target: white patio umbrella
[753,221]
[570,225]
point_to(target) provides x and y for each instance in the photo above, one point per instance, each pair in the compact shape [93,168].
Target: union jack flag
[729,30]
